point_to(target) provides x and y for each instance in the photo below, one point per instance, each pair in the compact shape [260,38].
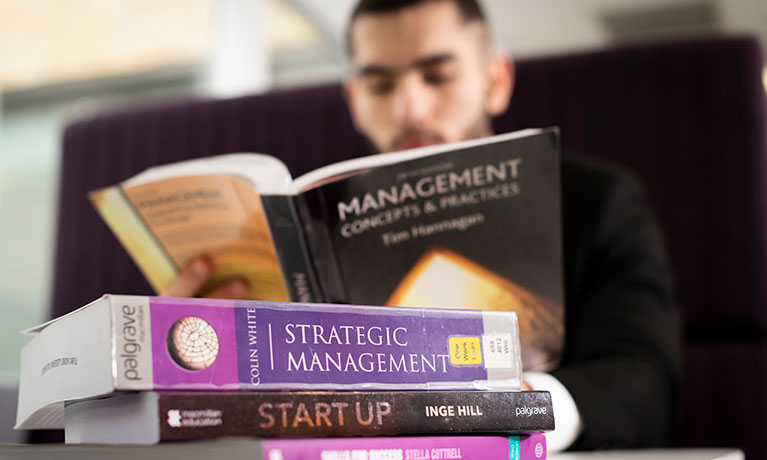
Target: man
[424,73]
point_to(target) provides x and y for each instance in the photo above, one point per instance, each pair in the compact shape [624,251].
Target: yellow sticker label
[464,351]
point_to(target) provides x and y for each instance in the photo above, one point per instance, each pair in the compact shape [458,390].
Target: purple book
[154,343]
[531,447]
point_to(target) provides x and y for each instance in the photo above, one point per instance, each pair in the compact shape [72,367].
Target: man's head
[423,72]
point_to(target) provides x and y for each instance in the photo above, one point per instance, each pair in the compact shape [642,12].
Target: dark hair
[470,11]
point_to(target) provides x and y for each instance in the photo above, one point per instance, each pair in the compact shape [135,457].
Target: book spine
[311,211]
[135,235]
[411,448]
[291,248]
[212,344]
[203,415]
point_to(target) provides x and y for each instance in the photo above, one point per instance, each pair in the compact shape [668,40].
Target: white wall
[239,61]
[527,27]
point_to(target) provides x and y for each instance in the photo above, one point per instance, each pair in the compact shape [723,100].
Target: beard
[412,137]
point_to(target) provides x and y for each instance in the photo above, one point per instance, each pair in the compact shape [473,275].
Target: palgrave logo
[538,450]
[174,418]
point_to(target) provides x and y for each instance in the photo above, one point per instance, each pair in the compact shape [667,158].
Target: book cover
[532,447]
[474,227]
[145,343]
[151,417]
[164,224]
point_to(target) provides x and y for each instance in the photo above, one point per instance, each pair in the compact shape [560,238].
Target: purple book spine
[194,344]
[531,447]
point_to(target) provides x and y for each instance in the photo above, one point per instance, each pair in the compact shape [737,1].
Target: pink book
[531,447]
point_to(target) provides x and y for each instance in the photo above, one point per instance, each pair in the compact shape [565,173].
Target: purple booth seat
[687,117]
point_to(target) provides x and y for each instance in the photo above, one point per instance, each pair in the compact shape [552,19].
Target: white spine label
[133,343]
[497,351]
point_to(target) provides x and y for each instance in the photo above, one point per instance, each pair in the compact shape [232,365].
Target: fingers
[235,289]
[190,280]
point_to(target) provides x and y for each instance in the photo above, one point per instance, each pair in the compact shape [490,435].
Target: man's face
[423,76]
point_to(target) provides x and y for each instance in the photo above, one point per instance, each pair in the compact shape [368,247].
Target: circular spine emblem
[192,343]
[538,450]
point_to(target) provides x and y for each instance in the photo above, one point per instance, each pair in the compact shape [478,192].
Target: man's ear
[500,84]
[349,97]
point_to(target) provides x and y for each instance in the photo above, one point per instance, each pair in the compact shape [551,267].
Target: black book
[152,417]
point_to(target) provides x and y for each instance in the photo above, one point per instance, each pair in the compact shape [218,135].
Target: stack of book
[474,224]
[387,382]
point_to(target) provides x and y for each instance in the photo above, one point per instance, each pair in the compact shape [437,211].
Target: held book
[474,224]
[155,343]
[149,417]
[531,447]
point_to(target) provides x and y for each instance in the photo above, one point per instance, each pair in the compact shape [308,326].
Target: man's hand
[193,277]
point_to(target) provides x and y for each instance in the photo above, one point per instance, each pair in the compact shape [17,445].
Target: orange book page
[445,279]
[217,216]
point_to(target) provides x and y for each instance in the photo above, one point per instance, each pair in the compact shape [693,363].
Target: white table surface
[652,454]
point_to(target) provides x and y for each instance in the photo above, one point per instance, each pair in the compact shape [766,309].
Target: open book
[474,224]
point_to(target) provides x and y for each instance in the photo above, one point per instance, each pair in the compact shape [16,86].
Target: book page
[347,168]
[217,216]
[135,237]
[266,173]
